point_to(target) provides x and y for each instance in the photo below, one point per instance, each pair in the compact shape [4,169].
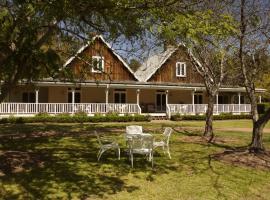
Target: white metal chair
[105,145]
[165,141]
[141,144]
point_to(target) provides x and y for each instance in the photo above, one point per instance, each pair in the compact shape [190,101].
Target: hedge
[65,118]
[263,107]
[215,117]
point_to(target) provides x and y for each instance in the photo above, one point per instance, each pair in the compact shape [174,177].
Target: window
[223,99]
[198,99]
[119,96]
[77,95]
[97,64]
[181,69]
[28,97]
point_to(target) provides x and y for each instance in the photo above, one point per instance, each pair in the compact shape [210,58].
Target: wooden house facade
[164,84]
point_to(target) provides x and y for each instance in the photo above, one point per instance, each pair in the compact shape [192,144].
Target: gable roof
[153,63]
[107,45]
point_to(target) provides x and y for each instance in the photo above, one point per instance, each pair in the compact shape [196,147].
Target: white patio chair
[165,141]
[141,144]
[105,145]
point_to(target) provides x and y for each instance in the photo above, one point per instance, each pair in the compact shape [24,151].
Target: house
[164,84]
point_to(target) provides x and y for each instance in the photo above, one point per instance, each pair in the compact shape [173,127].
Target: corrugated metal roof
[153,63]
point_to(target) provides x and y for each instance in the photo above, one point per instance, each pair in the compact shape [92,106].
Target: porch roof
[139,85]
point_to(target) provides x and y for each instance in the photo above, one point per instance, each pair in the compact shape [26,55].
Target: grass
[58,161]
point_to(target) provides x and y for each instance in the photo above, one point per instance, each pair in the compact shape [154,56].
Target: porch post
[239,101]
[73,99]
[36,92]
[260,99]
[138,99]
[167,97]
[107,97]
[217,102]
[167,101]
[193,101]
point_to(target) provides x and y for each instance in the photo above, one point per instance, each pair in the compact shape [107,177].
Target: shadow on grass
[59,161]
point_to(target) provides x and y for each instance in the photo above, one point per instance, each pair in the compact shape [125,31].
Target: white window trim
[102,64]
[179,64]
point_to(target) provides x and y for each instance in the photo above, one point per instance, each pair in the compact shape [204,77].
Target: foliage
[76,118]
[228,116]
[263,107]
[34,34]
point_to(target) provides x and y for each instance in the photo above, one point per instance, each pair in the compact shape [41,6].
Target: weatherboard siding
[167,72]
[114,69]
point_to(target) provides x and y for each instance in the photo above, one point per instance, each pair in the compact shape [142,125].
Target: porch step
[157,116]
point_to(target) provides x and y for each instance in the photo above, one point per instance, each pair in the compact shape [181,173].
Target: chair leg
[119,152]
[131,159]
[100,153]
[152,159]
[168,151]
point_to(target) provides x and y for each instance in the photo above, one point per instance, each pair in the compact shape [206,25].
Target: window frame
[180,65]
[102,64]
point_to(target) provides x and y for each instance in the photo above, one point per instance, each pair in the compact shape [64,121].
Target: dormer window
[97,64]
[181,69]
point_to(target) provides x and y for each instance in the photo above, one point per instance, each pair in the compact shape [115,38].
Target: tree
[210,63]
[30,30]
[134,64]
[253,25]
[205,34]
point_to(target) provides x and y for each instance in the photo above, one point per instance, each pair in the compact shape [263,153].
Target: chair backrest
[167,134]
[133,129]
[98,137]
[141,142]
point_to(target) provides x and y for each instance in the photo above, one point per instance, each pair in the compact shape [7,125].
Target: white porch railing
[202,108]
[56,108]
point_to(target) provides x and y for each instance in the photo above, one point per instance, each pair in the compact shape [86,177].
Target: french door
[160,101]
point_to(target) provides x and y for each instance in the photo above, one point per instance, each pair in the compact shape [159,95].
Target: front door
[160,101]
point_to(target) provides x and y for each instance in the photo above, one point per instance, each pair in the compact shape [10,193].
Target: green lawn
[58,161]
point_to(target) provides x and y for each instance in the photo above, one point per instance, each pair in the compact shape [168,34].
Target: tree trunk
[257,133]
[208,131]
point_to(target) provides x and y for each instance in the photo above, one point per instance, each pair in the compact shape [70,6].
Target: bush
[263,107]
[80,118]
[224,116]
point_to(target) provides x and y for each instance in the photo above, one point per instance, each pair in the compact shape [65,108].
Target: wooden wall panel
[113,68]
[167,73]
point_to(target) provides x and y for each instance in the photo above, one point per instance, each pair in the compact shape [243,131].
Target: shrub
[263,107]
[224,116]
[42,114]
[80,114]
[65,118]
